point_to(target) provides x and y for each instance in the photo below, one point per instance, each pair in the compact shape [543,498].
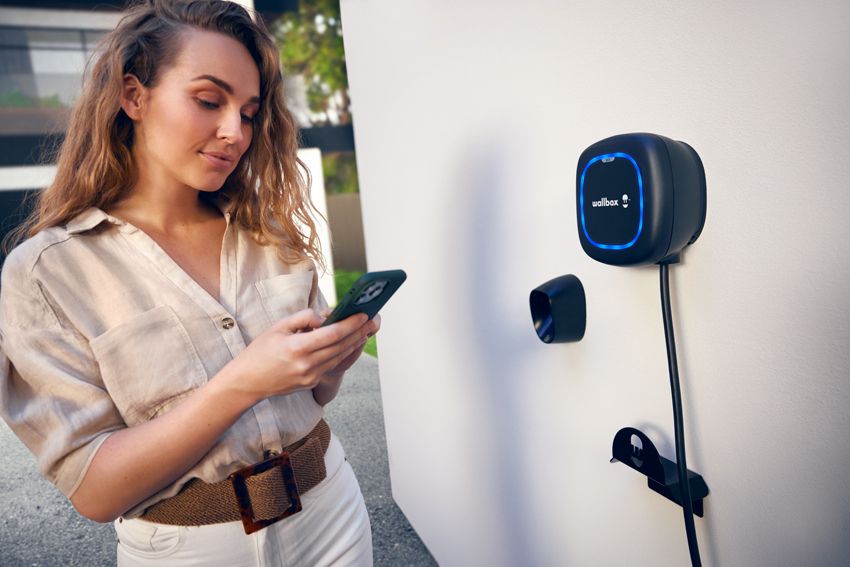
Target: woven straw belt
[200,503]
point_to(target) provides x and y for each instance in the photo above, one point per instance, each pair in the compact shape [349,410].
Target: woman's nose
[230,127]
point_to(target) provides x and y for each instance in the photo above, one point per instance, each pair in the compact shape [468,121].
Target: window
[40,76]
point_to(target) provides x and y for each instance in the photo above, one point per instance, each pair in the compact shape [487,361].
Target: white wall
[312,158]
[470,117]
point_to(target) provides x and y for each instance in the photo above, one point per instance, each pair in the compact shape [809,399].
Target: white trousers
[332,529]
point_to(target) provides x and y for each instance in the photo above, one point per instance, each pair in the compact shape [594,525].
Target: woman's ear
[133,96]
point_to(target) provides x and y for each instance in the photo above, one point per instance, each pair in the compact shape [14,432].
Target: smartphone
[368,294]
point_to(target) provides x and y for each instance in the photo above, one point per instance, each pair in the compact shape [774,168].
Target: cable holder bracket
[634,449]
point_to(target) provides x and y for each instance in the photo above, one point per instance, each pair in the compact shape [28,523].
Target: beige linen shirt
[101,330]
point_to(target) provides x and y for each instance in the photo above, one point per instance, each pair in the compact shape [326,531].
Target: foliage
[340,169]
[51,101]
[311,45]
[343,279]
[371,346]
[17,99]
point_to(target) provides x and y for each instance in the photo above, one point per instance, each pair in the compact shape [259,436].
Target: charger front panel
[624,199]
[611,195]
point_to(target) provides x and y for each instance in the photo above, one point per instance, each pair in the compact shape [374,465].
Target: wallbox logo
[606,202]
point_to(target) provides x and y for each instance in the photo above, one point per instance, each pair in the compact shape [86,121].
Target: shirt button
[227,323]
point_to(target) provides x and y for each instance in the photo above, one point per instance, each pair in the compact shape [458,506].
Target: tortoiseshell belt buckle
[246,510]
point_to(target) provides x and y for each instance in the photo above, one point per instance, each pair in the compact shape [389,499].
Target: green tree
[311,45]
[340,169]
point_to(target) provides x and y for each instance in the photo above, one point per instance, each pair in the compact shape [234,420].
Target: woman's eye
[212,105]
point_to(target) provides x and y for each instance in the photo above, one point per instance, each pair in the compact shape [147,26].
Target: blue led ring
[581,201]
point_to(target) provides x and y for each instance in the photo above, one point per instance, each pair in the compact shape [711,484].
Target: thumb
[303,320]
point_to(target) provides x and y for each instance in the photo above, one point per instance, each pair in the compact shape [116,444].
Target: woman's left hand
[329,385]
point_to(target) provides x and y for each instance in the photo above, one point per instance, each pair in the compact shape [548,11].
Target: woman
[160,322]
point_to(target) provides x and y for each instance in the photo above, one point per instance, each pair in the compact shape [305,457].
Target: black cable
[678,422]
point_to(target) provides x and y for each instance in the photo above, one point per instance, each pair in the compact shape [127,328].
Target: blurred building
[43,50]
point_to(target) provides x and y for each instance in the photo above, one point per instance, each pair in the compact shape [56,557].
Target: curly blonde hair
[268,192]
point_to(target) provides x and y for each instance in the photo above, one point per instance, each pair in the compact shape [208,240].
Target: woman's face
[197,122]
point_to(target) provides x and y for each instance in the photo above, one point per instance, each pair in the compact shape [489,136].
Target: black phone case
[368,294]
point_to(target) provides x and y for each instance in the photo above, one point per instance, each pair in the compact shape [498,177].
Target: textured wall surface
[470,117]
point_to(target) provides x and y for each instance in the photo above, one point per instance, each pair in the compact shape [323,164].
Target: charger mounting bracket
[634,449]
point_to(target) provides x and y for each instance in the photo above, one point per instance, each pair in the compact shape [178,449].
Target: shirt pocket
[285,294]
[147,362]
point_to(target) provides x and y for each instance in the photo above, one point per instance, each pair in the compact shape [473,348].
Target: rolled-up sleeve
[51,393]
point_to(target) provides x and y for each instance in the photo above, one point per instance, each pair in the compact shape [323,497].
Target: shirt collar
[224,205]
[89,219]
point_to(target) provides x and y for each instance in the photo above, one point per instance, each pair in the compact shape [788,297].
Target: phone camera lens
[371,292]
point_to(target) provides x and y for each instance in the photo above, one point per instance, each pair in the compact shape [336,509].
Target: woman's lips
[217,160]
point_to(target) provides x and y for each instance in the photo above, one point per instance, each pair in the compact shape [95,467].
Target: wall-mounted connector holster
[634,449]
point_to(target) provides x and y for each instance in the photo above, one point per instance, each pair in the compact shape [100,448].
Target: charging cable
[678,422]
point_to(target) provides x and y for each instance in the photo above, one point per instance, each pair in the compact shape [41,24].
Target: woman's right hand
[293,354]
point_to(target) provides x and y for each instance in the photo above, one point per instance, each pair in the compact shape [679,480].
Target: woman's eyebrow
[225,86]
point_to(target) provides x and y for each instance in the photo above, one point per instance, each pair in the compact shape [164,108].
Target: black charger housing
[640,199]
